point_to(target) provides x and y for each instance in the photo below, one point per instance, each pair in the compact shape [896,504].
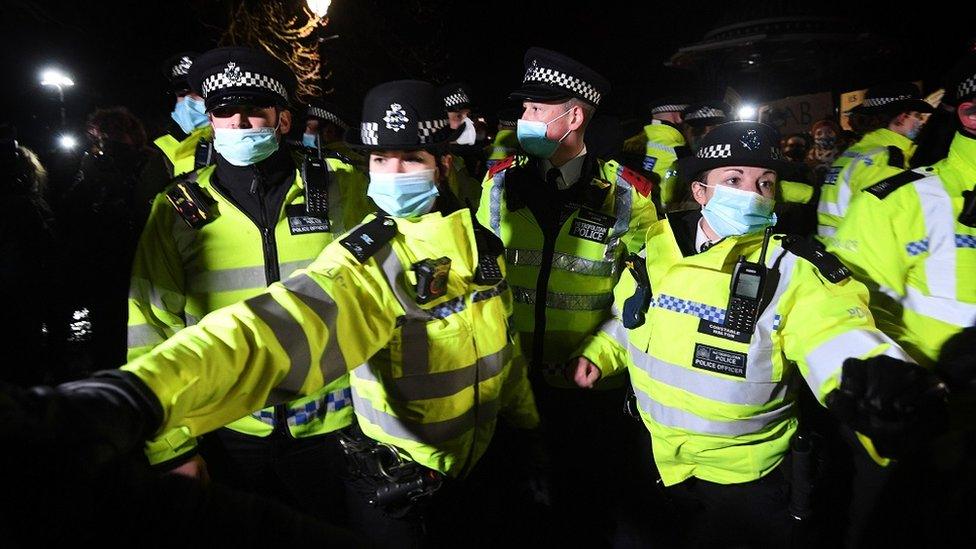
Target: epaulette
[888,185]
[832,268]
[338,156]
[896,157]
[501,166]
[636,180]
[365,240]
[191,202]
[682,151]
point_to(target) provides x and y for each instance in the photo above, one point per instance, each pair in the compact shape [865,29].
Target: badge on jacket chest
[718,360]
[300,222]
[592,225]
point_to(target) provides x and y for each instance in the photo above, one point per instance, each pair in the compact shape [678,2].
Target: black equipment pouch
[968,214]
[315,174]
[431,278]
[400,483]
[636,305]
[802,474]
[203,156]
[631,409]
[192,203]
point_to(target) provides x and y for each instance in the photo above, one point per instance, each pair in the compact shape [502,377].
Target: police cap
[551,76]
[242,76]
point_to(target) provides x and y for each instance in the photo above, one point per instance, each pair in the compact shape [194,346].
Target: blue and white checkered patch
[312,410]
[917,247]
[831,177]
[649,162]
[776,319]
[693,308]
[965,241]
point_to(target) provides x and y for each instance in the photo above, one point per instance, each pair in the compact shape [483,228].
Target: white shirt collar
[569,171]
[700,237]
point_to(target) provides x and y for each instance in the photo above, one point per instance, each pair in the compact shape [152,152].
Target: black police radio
[968,214]
[746,290]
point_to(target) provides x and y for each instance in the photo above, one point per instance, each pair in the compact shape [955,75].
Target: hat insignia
[751,140]
[396,118]
[233,73]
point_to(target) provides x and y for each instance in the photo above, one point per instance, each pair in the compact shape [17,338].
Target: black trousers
[750,514]
[307,474]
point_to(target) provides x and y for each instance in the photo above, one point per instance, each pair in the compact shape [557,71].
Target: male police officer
[890,119]
[567,220]
[191,148]
[661,144]
[222,234]
[325,124]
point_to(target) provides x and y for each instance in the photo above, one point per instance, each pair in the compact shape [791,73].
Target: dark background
[113,49]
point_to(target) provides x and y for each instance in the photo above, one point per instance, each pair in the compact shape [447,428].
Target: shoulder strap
[814,251]
[365,240]
[896,157]
[191,202]
[888,185]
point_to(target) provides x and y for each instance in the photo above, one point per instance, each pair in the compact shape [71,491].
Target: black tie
[552,176]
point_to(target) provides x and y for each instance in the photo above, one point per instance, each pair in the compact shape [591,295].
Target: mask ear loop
[557,118]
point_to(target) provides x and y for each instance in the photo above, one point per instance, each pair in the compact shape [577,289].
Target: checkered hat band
[715,151]
[668,108]
[455,99]
[878,101]
[368,133]
[966,87]
[245,79]
[706,112]
[182,67]
[562,80]
[326,115]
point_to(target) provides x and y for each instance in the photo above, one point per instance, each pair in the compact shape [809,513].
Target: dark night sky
[114,50]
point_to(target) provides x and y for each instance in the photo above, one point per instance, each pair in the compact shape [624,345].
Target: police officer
[716,326]
[325,125]
[661,144]
[414,298]
[889,119]
[467,155]
[188,147]
[567,220]
[222,234]
[700,118]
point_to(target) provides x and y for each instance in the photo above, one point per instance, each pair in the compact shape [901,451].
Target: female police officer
[414,295]
[721,323]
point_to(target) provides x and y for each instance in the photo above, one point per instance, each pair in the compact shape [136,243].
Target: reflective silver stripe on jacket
[568,302]
[333,363]
[561,261]
[240,278]
[681,419]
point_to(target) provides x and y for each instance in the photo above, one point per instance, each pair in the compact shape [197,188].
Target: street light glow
[56,78]
[67,142]
[747,112]
[319,7]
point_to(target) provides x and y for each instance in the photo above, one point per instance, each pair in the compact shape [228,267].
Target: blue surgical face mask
[731,212]
[310,140]
[532,137]
[244,147]
[190,114]
[913,132]
[410,194]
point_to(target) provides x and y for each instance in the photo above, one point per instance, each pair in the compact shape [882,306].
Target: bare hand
[196,469]
[583,372]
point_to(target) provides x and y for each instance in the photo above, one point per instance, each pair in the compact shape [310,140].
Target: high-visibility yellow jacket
[182,154]
[428,378]
[503,146]
[879,154]
[721,405]
[660,143]
[180,274]
[563,283]
[903,239]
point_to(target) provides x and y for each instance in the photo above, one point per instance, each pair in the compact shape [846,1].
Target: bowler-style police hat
[456,96]
[327,112]
[551,76]
[242,76]
[402,115]
[892,98]
[706,113]
[177,69]
[741,143]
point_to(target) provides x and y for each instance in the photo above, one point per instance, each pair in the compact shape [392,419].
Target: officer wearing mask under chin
[719,320]
[190,146]
[568,220]
[225,232]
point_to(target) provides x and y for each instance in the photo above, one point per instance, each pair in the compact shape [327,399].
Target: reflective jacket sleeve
[156,289]
[822,324]
[293,338]
[518,402]
[607,347]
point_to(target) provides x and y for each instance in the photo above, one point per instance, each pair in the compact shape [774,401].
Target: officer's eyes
[768,184]
[379,159]
[732,181]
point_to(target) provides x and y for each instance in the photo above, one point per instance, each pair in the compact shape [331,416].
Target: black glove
[957,361]
[98,419]
[896,404]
